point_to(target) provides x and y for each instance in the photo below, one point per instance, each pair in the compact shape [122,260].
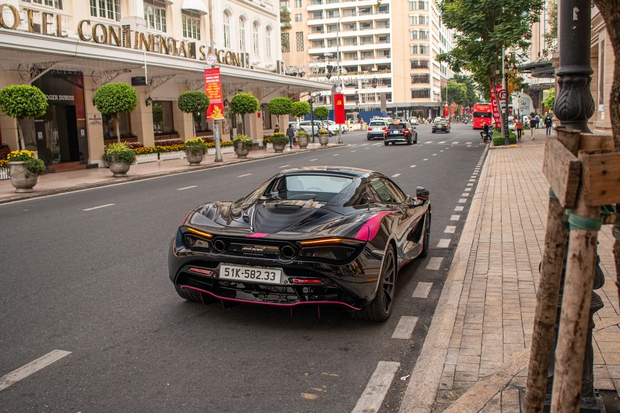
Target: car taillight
[384,128]
[369,128]
[406,132]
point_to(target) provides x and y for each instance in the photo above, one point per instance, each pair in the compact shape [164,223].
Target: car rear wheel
[380,308]
[409,141]
[368,137]
[386,143]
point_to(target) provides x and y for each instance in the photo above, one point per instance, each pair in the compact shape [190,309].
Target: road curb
[426,376]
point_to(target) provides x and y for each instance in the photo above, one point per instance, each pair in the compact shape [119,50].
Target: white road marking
[472,180]
[468,143]
[395,175]
[462,200]
[336,154]
[97,207]
[315,159]
[459,208]
[241,176]
[442,142]
[422,290]
[434,263]
[467,189]
[190,187]
[455,217]
[450,229]
[353,150]
[434,154]
[284,166]
[442,150]
[405,327]
[413,166]
[377,387]
[364,144]
[31,368]
[443,243]
[465,194]
[428,142]
[425,159]
[455,143]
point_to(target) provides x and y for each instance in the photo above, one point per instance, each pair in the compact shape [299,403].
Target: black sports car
[312,235]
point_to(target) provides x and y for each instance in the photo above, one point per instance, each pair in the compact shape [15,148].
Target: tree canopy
[244,103]
[193,101]
[23,101]
[114,98]
[483,28]
[321,112]
[300,109]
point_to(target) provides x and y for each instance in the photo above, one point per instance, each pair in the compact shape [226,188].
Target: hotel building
[69,48]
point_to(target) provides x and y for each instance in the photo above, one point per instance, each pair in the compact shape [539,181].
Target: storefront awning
[194,5]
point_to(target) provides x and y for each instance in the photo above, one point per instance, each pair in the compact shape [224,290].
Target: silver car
[377,129]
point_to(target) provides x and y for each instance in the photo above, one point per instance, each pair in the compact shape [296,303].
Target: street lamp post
[311,102]
[506,129]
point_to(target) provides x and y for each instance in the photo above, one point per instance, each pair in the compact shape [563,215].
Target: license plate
[259,275]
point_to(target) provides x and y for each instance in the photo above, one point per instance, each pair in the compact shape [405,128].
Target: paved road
[85,273]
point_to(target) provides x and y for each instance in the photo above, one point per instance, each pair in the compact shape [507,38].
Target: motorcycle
[465,121]
[486,137]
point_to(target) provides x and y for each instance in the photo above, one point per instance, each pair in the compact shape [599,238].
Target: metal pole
[216,128]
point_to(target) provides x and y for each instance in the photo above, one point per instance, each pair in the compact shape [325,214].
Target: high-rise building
[382,54]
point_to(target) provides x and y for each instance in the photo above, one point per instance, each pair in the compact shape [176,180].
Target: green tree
[279,106]
[300,109]
[321,112]
[549,103]
[193,101]
[114,99]
[242,104]
[23,102]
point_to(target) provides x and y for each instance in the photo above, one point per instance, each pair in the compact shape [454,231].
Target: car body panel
[401,132]
[334,239]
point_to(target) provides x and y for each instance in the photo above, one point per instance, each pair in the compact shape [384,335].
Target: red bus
[483,113]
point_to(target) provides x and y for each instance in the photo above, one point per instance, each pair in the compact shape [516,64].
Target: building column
[94,124]
[142,118]
[183,122]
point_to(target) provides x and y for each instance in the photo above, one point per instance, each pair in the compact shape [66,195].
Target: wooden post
[575,317]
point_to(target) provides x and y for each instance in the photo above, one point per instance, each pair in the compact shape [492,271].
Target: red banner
[213,89]
[339,116]
[496,115]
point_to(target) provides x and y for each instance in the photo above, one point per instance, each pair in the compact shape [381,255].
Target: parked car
[307,126]
[307,236]
[377,129]
[401,132]
[441,125]
[333,126]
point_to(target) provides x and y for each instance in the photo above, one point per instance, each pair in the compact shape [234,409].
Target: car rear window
[397,127]
[377,123]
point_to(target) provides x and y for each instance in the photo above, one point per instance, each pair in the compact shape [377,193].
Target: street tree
[194,102]
[24,102]
[114,99]
[279,106]
[300,109]
[321,112]
[242,104]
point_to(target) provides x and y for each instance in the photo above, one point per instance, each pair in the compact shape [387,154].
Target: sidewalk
[476,354]
[54,183]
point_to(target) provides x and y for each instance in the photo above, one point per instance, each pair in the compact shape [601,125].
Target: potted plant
[279,141]
[243,144]
[119,156]
[193,101]
[195,149]
[243,104]
[24,102]
[24,170]
[279,106]
[323,137]
[114,99]
[302,138]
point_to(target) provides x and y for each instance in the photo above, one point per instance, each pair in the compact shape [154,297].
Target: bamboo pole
[546,307]
[575,317]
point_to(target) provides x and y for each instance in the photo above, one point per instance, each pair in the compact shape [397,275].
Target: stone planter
[324,139]
[302,141]
[241,151]
[21,178]
[279,147]
[119,169]
[194,157]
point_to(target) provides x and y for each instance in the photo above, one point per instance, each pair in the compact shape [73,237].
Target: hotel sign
[123,37]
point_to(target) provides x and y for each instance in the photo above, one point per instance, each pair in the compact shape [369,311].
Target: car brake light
[305,281]
[384,128]
[201,271]
[369,128]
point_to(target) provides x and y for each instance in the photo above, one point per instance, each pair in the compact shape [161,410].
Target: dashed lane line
[422,290]
[459,208]
[455,217]
[395,175]
[434,263]
[31,368]
[462,200]
[413,166]
[443,243]
[315,159]
[98,207]
[405,327]
[450,229]
[189,187]
[377,387]
[285,166]
[241,176]
[465,194]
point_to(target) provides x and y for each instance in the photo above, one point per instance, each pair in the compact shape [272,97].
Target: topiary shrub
[116,98]
[279,106]
[193,101]
[23,102]
[242,104]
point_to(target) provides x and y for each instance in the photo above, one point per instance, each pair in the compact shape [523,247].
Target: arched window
[226,30]
[268,34]
[242,44]
[256,38]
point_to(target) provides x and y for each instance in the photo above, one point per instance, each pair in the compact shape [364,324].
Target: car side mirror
[422,192]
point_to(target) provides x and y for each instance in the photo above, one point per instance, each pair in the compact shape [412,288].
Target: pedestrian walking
[290,132]
[519,128]
[533,127]
[548,124]
[538,121]
[277,128]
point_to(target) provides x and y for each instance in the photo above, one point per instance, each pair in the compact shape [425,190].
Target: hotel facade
[381,55]
[69,48]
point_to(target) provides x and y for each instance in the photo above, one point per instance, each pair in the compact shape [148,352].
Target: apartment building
[69,48]
[381,55]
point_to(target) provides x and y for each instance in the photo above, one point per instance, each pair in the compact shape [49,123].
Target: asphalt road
[85,273]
